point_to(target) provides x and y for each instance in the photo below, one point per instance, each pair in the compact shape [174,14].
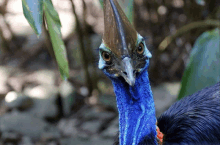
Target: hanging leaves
[33,12]
[54,25]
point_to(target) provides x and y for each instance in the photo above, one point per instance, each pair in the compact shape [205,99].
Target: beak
[128,74]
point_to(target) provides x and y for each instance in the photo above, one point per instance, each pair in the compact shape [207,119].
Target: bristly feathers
[194,119]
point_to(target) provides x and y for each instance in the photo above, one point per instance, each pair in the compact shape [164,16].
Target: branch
[163,45]
[80,34]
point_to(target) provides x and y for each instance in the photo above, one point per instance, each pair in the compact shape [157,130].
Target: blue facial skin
[135,103]
[102,62]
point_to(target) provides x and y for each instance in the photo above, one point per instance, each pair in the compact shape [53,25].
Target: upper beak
[128,73]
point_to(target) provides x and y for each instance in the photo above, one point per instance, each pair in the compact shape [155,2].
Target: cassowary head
[123,52]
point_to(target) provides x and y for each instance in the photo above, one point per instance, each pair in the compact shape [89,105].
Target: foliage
[33,12]
[54,25]
[204,67]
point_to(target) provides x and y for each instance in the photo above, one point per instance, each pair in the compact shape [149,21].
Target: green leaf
[33,12]
[54,25]
[203,69]
[52,12]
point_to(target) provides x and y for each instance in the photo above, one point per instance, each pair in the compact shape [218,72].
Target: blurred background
[37,107]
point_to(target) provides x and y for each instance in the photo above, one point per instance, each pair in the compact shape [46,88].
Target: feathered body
[193,119]
[124,58]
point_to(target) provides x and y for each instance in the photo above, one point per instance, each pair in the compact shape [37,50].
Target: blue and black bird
[124,58]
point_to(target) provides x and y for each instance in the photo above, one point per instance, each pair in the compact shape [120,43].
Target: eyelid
[103,50]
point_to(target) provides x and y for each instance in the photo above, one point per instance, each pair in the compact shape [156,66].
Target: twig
[5,43]
[88,44]
[163,45]
[83,51]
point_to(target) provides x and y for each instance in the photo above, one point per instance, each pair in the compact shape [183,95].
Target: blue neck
[136,110]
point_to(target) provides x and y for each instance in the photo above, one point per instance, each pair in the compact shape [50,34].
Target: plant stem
[83,51]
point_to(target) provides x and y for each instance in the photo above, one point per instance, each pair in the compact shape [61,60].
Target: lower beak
[128,73]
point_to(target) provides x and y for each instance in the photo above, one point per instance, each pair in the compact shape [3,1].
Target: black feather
[194,119]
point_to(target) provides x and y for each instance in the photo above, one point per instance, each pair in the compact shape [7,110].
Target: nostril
[125,73]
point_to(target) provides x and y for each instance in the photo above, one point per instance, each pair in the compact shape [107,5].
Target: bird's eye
[140,48]
[106,56]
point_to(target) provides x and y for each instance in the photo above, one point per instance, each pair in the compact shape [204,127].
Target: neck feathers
[136,110]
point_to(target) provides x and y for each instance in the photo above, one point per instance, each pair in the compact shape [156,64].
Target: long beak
[128,73]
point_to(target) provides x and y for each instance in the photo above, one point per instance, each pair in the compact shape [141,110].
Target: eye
[140,48]
[106,56]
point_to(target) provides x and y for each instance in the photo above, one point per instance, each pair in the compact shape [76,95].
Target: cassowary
[124,58]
